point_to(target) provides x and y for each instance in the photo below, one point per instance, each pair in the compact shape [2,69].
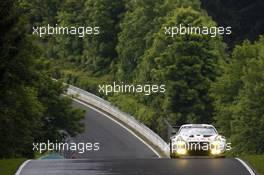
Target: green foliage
[137,29]
[42,13]
[187,64]
[99,50]
[143,112]
[238,95]
[31,106]
[20,110]
[59,115]
[70,47]
[95,53]
[129,104]
[141,21]
[68,73]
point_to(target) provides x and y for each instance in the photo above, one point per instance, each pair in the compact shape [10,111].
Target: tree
[20,110]
[187,64]
[69,48]
[43,13]
[239,98]
[59,116]
[30,102]
[141,21]
[137,28]
[99,50]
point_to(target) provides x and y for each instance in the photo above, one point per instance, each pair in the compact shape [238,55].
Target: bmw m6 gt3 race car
[197,139]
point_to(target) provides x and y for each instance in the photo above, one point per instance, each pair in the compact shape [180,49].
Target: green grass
[257,162]
[10,166]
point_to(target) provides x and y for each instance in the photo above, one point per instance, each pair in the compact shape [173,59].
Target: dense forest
[216,80]
[31,106]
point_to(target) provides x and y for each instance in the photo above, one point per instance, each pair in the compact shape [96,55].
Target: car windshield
[197,131]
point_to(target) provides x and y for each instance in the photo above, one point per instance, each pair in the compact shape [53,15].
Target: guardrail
[129,120]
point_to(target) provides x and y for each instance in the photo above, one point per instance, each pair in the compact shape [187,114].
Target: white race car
[197,139]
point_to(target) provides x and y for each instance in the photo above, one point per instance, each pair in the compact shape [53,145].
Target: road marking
[246,166]
[21,167]
[111,118]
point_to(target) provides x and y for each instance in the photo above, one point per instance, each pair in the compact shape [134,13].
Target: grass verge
[256,161]
[10,166]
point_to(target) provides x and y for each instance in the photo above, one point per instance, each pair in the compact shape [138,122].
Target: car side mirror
[221,134]
[174,131]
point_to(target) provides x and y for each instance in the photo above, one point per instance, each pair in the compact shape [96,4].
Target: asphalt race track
[115,141]
[121,153]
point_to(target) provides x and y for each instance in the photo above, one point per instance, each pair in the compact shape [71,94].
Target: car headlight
[181,151]
[215,151]
[217,145]
[180,145]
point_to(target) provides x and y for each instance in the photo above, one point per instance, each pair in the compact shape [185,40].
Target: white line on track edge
[22,166]
[246,166]
[111,118]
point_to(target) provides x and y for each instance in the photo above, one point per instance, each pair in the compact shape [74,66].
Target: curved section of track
[123,153]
